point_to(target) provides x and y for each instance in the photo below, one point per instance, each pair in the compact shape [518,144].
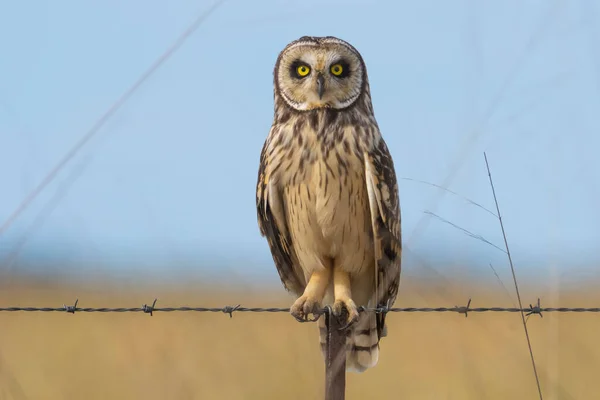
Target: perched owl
[327,196]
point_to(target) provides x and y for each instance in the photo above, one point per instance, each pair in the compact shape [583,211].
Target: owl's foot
[347,303]
[343,296]
[304,307]
[310,301]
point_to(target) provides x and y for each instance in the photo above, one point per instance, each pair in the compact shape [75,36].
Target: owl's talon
[351,308]
[316,316]
[303,307]
[298,317]
[345,327]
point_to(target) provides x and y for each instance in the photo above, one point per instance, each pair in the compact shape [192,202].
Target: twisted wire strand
[150,309]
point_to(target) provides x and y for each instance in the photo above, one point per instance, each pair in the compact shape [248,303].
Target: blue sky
[169,180]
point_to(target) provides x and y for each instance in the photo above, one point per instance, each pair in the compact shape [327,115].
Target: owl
[327,196]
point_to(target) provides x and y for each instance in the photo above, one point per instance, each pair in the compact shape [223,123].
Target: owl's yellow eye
[337,69]
[303,70]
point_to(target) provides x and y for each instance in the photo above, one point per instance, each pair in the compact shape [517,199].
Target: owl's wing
[382,188]
[273,226]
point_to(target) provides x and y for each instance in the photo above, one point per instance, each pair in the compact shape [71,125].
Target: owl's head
[320,72]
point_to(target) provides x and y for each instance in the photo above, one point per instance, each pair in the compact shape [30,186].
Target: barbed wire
[150,309]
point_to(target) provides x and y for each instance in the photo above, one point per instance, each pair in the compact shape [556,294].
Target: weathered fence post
[335,356]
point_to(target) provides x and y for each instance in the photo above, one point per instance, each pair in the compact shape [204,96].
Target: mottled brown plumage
[327,196]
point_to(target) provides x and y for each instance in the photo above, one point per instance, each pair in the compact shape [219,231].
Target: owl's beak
[320,85]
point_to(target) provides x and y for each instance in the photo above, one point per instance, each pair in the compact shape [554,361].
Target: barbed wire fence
[335,349]
[536,309]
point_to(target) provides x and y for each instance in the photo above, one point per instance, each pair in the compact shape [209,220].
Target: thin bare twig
[512,268]
[502,283]
[451,192]
[466,232]
[8,265]
[105,117]
[473,135]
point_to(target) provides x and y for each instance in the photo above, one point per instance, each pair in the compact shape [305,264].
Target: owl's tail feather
[362,343]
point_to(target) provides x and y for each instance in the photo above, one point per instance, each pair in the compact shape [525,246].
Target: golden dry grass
[270,356]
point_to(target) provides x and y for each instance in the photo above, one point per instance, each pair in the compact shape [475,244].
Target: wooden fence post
[335,359]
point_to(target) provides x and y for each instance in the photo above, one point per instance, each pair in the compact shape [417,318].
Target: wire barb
[149,309]
[229,310]
[463,310]
[535,309]
[71,309]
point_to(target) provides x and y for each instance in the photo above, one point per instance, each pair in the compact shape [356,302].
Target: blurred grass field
[271,356]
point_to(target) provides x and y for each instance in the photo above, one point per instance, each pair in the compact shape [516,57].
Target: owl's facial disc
[322,73]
